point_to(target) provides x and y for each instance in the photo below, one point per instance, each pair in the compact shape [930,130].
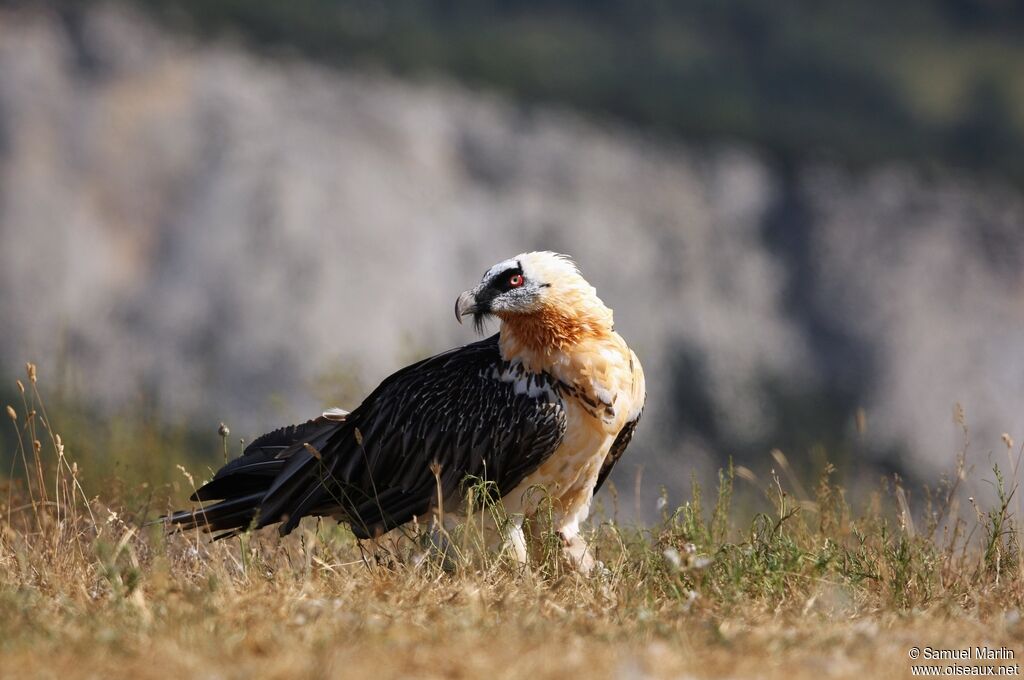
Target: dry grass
[809,589]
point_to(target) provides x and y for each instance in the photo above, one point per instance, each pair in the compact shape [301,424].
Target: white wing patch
[336,413]
[523,382]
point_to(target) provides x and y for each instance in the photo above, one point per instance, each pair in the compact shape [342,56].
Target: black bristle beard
[478,321]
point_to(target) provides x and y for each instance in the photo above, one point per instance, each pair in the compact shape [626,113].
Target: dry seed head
[12,413]
[861,418]
[743,472]
[223,431]
[21,386]
[30,368]
[188,476]
[312,450]
[1008,440]
[959,417]
[780,458]
[37,445]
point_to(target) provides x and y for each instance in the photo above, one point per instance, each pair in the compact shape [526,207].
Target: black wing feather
[261,461]
[615,452]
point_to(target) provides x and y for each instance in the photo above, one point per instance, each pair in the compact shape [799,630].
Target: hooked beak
[465,305]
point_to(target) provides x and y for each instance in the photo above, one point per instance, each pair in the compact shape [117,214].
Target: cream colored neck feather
[579,317]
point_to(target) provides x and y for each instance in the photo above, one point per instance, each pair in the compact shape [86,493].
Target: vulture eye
[515,280]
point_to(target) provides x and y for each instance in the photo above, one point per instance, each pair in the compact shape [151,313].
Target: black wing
[377,468]
[615,452]
[241,484]
[262,461]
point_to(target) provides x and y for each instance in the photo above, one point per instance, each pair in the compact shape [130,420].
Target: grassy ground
[812,588]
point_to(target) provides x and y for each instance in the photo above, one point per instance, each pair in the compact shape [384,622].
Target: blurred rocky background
[809,218]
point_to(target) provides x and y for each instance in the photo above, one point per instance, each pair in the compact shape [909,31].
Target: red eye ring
[516,280]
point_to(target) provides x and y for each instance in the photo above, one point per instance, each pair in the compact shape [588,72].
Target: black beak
[477,303]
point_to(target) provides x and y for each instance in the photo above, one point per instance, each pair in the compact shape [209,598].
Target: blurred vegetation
[931,81]
[135,454]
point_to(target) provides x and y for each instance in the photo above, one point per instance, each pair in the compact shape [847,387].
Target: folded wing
[426,428]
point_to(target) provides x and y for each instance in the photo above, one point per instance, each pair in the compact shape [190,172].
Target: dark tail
[230,502]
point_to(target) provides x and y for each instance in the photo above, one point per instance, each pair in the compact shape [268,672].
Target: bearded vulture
[550,401]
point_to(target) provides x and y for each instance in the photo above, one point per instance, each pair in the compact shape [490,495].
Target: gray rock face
[235,238]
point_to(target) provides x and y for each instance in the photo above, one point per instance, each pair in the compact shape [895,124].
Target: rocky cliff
[232,237]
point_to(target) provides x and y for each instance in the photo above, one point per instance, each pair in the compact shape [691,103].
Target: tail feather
[249,477]
[241,486]
[229,514]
